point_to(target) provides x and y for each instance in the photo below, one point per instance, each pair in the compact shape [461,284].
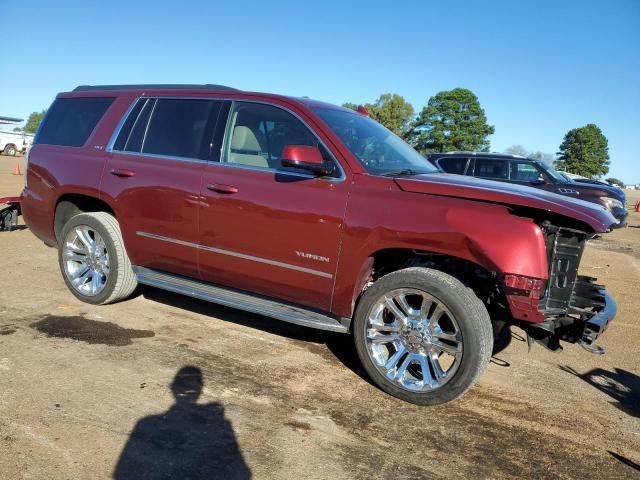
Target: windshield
[377,149]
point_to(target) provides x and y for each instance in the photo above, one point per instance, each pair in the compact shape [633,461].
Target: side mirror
[304,157]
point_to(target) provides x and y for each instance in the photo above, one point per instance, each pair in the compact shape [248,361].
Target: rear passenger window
[170,127]
[489,168]
[455,165]
[70,121]
[177,127]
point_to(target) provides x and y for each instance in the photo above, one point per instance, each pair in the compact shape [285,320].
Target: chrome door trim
[230,253]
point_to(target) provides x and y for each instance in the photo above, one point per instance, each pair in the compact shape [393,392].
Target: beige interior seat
[245,148]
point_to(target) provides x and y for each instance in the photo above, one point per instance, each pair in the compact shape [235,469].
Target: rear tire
[422,335]
[93,260]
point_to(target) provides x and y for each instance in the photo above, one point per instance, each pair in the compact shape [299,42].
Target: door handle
[122,172]
[218,187]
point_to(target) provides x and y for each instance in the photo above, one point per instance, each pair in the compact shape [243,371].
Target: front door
[531,175]
[264,228]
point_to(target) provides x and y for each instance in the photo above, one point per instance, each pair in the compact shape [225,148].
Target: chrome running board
[242,301]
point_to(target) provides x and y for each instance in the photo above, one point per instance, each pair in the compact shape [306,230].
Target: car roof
[166,89]
[154,86]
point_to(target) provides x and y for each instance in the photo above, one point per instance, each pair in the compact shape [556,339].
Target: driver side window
[525,172]
[258,134]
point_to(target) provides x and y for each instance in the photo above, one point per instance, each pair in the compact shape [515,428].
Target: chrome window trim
[146,129]
[231,253]
[116,132]
[162,157]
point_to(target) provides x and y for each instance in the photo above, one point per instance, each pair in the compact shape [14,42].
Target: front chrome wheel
[413,340]
[85,260]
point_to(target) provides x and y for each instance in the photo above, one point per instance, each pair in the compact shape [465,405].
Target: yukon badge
[311,256]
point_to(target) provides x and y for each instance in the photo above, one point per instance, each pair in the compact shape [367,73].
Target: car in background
[12,143]
[527,171]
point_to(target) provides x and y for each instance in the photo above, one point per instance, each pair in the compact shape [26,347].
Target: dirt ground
[84,390]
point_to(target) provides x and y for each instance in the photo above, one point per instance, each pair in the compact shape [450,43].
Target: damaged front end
[574,308]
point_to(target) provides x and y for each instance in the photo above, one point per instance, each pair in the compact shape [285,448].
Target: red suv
[313,214]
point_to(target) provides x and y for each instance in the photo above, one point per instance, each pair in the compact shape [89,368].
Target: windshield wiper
[407,172]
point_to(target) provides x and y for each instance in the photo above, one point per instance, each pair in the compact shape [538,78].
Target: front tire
[422,336]
[93,260]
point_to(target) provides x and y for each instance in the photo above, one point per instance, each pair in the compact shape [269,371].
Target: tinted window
[525,172]
[489,168]
[258,134]
[70,121]
[176,128]
[453,165]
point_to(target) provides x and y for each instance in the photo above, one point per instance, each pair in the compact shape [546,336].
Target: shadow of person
[621,385]
[188,441]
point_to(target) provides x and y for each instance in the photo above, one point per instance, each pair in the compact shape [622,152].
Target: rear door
[264,228]
[153,177]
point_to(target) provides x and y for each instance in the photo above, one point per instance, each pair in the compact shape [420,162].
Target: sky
[539,68]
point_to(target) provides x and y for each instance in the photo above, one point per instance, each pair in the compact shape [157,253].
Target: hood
[473,188]
[600,190]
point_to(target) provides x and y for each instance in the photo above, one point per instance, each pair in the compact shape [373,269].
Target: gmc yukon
[313,214]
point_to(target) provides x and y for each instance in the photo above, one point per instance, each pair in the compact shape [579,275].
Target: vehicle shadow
[189,440]
[621,385]
[339,345]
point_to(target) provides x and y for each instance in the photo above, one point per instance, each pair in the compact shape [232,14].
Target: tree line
[454,120]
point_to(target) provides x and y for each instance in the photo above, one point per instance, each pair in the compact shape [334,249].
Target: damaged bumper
[590,311]
[595,307]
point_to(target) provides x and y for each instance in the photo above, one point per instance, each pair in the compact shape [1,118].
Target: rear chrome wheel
[93,260]
[422,335]
[86,260]
[413,340]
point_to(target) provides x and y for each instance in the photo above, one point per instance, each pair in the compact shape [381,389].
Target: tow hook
[592,347]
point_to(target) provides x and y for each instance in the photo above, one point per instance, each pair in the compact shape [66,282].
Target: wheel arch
[70,204]
[479,278]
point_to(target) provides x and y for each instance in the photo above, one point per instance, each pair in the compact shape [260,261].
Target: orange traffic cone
[16,169]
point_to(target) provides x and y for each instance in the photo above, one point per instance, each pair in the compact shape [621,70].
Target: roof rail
[494,154]
[153,86]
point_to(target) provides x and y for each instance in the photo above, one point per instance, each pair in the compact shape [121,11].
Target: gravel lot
[84,390]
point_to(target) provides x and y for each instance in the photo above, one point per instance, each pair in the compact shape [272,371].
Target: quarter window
[70,121]
[258,133]
[490,168]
